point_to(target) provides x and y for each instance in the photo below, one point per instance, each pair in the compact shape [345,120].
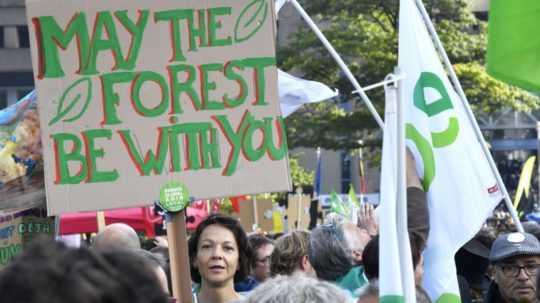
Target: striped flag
[461,187]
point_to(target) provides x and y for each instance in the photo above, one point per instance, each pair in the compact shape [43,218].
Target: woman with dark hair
[219,256]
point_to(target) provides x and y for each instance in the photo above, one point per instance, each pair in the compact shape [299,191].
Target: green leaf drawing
[81,87]
[251,20]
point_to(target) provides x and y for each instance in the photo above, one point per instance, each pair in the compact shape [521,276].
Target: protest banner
[136,94]
[18,228]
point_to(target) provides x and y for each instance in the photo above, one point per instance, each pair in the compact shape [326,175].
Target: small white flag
[294,92]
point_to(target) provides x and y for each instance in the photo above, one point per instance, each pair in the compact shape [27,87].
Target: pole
[339,61]
[538,163]
[407,273]
[470,115]
[361,172]
[179,258]
[299,208]
[100,217]
[255,213]
[209,206]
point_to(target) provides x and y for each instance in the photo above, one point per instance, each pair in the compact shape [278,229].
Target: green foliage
[364,33]
[299,175]
[477,84]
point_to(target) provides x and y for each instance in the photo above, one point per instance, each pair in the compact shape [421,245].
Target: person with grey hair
[328,254]
[117,235]
[296,288]
[516,259]
[369,293]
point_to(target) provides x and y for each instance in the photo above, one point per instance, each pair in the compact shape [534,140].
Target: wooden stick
[255,211]
[100,216]
[299,211]
[179,258]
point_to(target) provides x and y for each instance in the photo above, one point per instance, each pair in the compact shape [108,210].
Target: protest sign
[298,211]
[18,228]
[136,94]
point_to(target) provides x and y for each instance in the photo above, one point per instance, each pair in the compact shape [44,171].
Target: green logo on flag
[173,196]
[438,139]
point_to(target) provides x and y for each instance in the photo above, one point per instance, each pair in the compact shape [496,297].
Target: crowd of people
[333,262]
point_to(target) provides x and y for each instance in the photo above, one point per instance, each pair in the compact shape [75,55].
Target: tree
[364,32]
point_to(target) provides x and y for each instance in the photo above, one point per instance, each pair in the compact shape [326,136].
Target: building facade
[16,78]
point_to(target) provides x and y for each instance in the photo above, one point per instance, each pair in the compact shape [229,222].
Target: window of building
[345,172]
[24,40]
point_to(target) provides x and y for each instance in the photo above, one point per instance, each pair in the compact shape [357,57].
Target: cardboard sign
[298,210]
[256,212]
[18,228]
[134,94]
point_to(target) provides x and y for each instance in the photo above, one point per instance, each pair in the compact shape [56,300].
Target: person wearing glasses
[262,248]
[516,259]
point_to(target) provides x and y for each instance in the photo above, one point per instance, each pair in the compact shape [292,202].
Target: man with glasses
[516,259]
[262,248]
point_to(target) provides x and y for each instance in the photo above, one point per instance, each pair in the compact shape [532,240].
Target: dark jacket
[493,295]
[417,213]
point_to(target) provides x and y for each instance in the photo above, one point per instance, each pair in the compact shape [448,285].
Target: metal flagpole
[339,61]
[470,115]
[407,273]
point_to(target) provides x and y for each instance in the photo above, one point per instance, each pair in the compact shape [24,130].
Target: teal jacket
[353,280]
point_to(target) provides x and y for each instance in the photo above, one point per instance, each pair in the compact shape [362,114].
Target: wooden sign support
[179,258]
[100,216]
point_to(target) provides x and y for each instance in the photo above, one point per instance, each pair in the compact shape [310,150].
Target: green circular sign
[173,196]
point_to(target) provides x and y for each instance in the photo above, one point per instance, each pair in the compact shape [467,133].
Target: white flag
[279,4]
[294,92]
[396,274]
[462,189]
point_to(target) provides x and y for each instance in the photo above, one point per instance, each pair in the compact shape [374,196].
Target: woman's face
[217,255]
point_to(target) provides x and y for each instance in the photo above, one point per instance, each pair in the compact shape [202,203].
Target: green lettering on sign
[50,36]
[62,159]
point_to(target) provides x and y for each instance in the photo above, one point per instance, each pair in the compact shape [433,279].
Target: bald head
[117,235]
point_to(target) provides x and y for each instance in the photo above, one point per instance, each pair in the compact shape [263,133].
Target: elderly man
[516,259]
[117,235]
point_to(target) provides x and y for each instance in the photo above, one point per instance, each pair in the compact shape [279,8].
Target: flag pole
[318,177]
[406,271]
[339,61]
[470,115]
